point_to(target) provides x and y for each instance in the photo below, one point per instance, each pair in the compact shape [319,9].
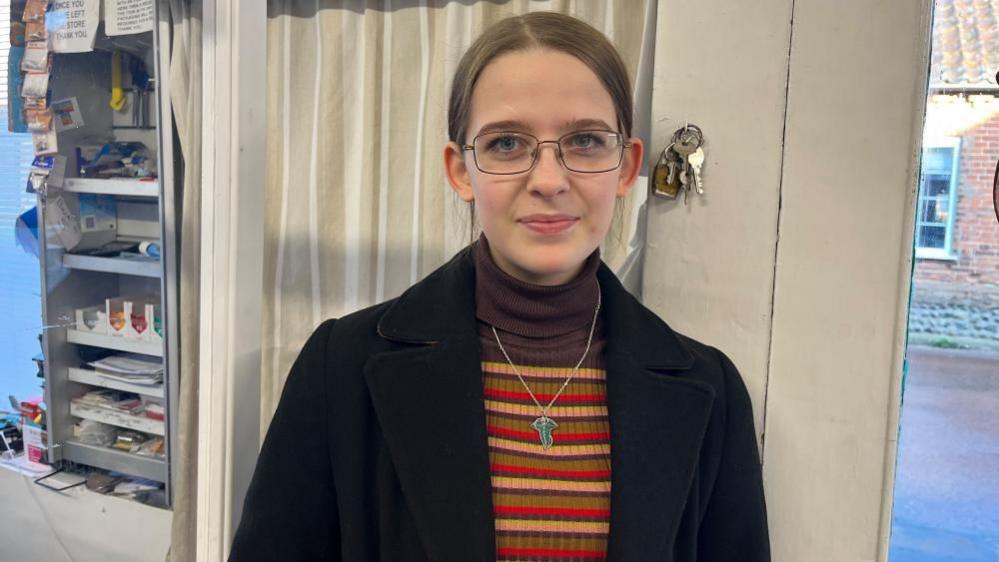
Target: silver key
[696,160]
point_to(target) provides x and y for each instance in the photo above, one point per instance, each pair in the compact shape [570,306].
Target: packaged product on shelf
[36,85]
[98,215]
[115,160]
[35,31]
[34,102]
[156,334]
[125,402]
[51,169]
[118,311]
[34,10]
[39,120]
[152,448]
[34,445]
[45,142]
[83,222]
[36,57]
[128,440]
[92,319]
[153,409]
[128,316]
[90,432]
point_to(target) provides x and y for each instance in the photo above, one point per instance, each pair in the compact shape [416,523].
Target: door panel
[796,262]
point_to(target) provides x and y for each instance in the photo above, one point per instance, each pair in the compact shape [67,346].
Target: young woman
[518,403]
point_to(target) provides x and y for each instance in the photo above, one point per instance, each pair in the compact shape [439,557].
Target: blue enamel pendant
[544,426]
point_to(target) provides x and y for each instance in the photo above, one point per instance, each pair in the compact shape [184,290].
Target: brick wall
[976,232]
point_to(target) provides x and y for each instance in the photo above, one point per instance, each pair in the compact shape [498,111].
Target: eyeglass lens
[581,151]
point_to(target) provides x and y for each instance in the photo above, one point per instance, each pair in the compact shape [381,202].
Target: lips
[549,224]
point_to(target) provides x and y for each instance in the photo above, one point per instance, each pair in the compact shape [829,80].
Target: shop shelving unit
[68,281]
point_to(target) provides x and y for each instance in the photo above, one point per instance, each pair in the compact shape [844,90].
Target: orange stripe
[561,436]
[543,398]
[552,472]
[556,413]
[565,511]
[549,552]
[528,370]
[505,483]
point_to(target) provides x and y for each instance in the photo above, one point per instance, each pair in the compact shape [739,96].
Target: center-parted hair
[540,30]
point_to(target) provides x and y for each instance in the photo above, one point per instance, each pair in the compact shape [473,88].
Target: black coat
[377,450]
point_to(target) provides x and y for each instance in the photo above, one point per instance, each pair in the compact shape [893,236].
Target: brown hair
[547,30]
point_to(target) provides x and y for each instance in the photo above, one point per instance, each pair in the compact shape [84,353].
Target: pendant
[544,426]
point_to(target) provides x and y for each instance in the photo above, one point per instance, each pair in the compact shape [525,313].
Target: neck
[520,274]
[530,309]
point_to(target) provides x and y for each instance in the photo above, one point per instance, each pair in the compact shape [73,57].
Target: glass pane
[946,490]
[934,210]
[929,210]
[932,236]
[936,185]
[938,160]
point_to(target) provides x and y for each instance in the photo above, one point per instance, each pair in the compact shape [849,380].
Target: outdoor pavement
[946,506]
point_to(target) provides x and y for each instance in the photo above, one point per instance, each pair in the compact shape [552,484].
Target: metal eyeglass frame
[558,151]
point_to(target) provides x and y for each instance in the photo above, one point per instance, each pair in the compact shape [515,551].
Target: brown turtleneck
[551,504]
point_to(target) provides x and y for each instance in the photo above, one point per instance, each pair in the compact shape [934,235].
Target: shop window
[937,200]
[20,297]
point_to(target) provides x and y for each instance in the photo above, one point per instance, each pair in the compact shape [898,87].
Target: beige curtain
[185,98]
[357,205]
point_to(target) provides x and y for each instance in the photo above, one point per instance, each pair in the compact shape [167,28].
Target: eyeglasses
[509,152]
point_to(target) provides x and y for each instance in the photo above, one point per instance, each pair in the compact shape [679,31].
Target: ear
[631,165]
[457,171]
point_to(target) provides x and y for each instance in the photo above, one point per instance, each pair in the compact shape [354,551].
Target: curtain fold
[185,98]
[357,204]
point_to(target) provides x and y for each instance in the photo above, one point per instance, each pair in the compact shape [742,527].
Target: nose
[548,176]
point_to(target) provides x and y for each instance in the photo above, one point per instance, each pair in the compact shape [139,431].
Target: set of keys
[679,165]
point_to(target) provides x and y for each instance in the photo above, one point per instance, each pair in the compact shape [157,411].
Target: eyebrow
[515,125]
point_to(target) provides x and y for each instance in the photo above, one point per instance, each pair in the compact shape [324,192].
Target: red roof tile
[965,49]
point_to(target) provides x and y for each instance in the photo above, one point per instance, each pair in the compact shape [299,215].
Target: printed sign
[124,17]
[72,25]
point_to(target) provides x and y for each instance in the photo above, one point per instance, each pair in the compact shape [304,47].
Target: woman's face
[543,223]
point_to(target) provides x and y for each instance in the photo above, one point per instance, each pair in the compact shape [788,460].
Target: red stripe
[551,472]
[566,511]
[506,551]
[560,436]
[544,398]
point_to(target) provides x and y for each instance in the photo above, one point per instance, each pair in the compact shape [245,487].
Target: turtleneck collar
[533,310]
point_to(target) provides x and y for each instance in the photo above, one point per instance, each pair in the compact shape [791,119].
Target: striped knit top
[549,504]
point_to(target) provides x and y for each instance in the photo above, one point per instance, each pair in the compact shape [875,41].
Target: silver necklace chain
[545,409]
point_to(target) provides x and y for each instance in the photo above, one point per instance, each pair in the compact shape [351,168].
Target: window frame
[947,252]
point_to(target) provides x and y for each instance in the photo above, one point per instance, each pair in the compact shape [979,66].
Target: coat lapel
[657,421]
[429,400]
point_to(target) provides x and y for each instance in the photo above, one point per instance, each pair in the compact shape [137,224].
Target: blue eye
[504,143]
[586,140]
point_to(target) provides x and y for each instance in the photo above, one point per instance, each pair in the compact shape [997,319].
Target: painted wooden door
[796,260]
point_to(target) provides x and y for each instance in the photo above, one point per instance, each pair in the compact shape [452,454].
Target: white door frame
[233,154]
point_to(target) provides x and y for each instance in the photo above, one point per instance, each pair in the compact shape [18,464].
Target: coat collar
[442,307]
[438,442]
